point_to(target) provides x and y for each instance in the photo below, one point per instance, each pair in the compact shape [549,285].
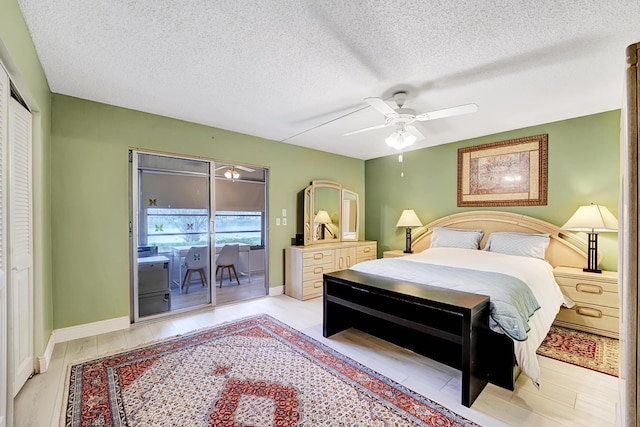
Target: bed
[496,348]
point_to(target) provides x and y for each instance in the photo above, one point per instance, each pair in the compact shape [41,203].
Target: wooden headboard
[564,247]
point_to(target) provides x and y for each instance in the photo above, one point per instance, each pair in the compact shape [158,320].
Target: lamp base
[407,249]
[592,254]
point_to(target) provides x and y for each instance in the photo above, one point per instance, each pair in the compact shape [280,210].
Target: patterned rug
[590,351]
[253,372]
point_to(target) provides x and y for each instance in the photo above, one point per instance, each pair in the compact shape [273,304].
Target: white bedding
[536,273]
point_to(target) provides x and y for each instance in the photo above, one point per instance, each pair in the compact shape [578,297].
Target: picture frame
[505,173]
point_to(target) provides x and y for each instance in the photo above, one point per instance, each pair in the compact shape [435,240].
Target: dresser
[597,308]
[305,265]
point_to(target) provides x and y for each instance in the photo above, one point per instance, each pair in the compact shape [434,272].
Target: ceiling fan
[401,119]
[232,173]
[242,168]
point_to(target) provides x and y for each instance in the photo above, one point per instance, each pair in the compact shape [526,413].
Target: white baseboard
[90,329]
[276,290]
[45,359]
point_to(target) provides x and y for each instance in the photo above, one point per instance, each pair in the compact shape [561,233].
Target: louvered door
[20,243]
[4,100]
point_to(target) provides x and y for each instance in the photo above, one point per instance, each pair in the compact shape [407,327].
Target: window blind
[241,196]
[162,190]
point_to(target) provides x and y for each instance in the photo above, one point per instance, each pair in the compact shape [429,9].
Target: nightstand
[396,253]
[597,308]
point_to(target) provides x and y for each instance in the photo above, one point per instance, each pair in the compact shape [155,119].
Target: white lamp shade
[322,217]
[409,219]
[231,173]
[400,139]
[592,219]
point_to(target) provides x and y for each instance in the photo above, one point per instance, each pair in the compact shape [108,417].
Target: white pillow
[520,244]
[443,237]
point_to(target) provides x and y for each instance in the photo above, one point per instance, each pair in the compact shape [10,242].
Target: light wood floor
[569,395]
[230,291]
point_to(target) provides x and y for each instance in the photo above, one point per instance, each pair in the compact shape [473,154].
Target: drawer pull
[589,312]
[318,270]
[317,284]
[588,288]
[318,256]
[366,250]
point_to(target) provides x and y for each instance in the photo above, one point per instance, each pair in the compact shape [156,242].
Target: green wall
[90,143]
[80,159]
[19,57]
[584,157]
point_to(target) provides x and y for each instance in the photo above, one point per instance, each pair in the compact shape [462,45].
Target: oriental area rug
[590,351]
[255,371]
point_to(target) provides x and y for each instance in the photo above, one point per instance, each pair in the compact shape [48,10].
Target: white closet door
[4,101]
[20,243]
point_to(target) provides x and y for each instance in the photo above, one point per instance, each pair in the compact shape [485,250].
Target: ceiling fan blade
[447,112]
[246,169]
[414,131]
[381,106]
[364,130]
[221,167]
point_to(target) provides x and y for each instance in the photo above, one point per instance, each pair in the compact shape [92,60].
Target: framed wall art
[505,173]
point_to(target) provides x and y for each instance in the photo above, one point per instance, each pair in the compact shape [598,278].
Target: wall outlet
[277,221]
[284,221]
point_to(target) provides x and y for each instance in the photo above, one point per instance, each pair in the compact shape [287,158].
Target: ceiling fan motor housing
[400,98]
[404,116]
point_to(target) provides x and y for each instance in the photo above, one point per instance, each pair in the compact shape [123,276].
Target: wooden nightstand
[396,253]
[597,308]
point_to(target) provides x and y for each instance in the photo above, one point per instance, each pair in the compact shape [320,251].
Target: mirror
[325,208]
[326,203]
[349,215]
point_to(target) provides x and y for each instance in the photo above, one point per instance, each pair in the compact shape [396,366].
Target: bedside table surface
[395,253]
[609,276]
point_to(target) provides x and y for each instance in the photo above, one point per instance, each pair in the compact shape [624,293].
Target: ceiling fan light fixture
[400,139]
[231,174]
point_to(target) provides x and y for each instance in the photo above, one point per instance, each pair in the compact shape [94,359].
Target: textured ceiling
[297,71]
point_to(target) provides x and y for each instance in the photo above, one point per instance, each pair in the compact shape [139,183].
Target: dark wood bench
[445,325]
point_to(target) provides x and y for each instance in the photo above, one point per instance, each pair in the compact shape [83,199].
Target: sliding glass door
[198,233]
[172,234]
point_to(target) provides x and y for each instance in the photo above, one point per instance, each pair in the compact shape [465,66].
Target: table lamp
[322,218]
[408,219]
[592,219]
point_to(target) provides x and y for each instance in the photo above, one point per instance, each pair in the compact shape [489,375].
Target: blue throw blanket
[511,301]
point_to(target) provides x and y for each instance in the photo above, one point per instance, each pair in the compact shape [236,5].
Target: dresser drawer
[366,252]
[312,288]
[318,257]
[315,271]
[591,316]
[604,294]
